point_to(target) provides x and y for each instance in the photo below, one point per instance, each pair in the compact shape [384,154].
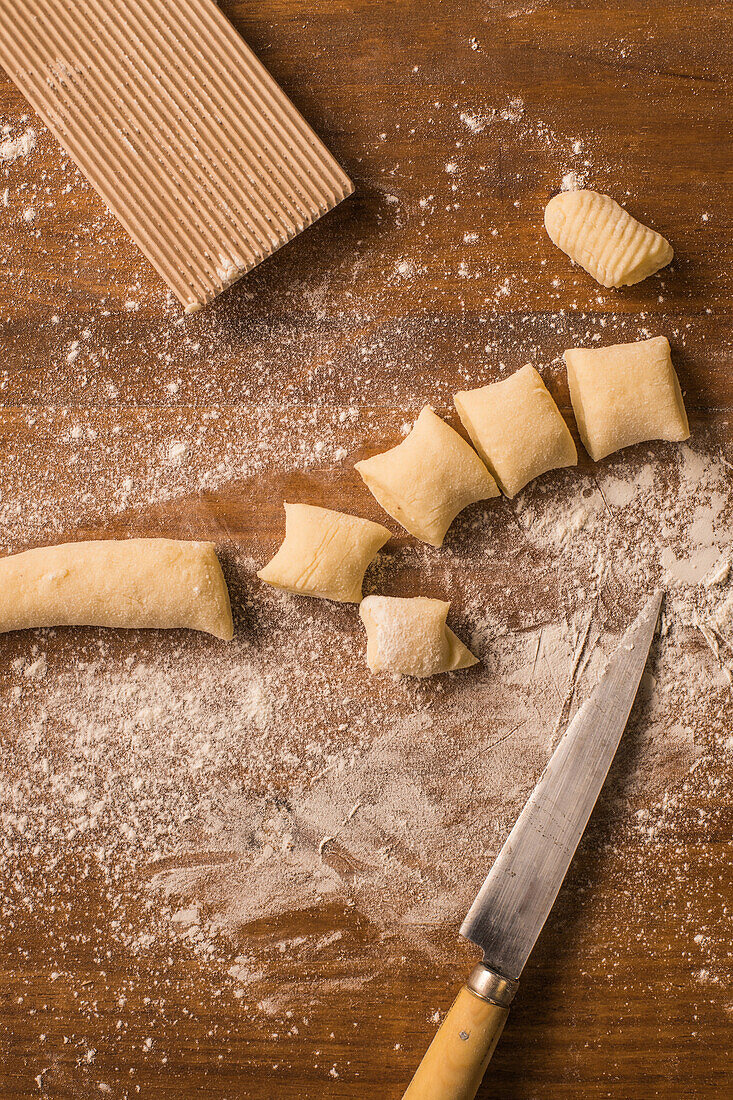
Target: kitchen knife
[512,905]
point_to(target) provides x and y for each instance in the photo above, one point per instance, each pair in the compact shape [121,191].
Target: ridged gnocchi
[608,243]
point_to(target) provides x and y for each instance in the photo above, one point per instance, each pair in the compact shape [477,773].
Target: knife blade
[517,895]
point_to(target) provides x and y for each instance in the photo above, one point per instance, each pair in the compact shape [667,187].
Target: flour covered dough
[598,234]
[517,429]
[625,394]
[428,479]
[158,583]
[324,553]
[409,637]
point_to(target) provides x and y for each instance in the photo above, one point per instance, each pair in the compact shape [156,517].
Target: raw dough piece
[426,481]
[517,429]
[325,553]
[410,637]
[598,234]
[127,583]
[625,394]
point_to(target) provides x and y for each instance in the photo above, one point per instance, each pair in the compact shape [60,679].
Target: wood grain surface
[383,306]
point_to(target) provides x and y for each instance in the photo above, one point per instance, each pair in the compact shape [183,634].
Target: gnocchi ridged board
[178,126]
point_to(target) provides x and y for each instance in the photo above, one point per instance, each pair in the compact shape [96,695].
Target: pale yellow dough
[426,481]
[598,234]
[324,553]
[160,583]
[409,637]
[625,394]
[517,429]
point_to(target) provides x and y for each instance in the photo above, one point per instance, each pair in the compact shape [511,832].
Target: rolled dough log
[409,637]
[325,553]
[159,583]
[517,429]
[625,394]
[598,234]
[426,481]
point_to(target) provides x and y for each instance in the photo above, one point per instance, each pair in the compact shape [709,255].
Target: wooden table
[454,118]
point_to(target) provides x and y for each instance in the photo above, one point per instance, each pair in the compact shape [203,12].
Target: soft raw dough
[409,637]
[517,429]
[426,481]
[325,553]
[625,394]
[598,234]
[128,583]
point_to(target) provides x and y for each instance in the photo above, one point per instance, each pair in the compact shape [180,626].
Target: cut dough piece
[410,637]
[598,234]
[325,553]
[517,429]
[625,394]
[129,583]
[426,481]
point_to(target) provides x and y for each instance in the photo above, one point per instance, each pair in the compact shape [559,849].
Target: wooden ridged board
[178,126]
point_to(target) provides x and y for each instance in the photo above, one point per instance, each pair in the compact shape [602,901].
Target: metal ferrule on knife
[492,987]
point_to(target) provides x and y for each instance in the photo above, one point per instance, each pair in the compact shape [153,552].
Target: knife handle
[456,1060]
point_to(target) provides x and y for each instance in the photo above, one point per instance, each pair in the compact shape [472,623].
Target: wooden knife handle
[456,1060]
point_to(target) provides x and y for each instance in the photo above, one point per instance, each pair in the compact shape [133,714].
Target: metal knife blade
[512,905]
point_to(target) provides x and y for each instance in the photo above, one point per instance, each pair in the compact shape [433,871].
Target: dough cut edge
[682,411]
[465,418]
[576,401]
[386,499]
[461,656]
[223,622]
[369,624]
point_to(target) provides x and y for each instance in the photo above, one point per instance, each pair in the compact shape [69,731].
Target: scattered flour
[573,181]
[476,121]
[513,111]
[13,148]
